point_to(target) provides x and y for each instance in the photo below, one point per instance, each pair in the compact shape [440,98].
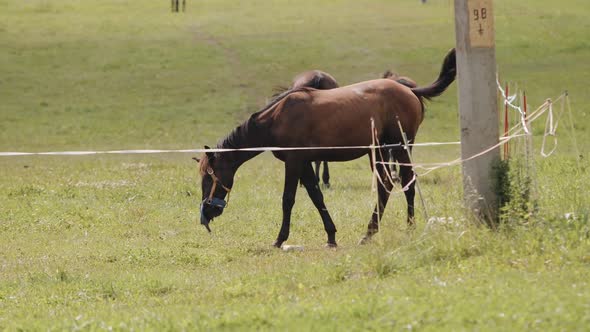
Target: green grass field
[113,242]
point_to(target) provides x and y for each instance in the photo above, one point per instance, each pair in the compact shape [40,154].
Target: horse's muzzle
[215,203]
[204,220]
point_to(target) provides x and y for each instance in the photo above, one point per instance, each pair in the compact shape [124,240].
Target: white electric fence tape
[514,132]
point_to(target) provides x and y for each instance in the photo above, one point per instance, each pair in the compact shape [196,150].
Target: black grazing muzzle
[216,205]
[213,206]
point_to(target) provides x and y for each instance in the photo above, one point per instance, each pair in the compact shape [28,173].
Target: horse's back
[410,83]
[343,116]
[316,79]
[378,98]
[381,97]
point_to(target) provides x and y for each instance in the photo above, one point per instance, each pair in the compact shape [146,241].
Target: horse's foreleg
[383,189]
[292,175]
[314,192]
[326,175]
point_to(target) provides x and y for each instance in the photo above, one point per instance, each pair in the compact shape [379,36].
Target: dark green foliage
[514,190]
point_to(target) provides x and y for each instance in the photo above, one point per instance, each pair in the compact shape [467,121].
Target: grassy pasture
[113,242]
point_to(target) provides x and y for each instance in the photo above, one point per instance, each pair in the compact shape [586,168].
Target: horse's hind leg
[326,175]
[314,192]
[392,168]
[408,180]
[384,187]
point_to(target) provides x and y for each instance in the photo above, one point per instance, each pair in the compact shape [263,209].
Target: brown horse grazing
[307,117]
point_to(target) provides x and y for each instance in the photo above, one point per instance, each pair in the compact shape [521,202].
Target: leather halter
[216,180]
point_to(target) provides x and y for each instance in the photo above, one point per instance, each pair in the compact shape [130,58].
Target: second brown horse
[321,80]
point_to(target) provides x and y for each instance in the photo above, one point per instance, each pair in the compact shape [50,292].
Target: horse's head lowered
[217,177]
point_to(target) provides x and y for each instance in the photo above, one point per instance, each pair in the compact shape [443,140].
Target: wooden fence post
[478,105]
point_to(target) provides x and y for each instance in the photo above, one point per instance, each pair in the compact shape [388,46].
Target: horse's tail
[445,78]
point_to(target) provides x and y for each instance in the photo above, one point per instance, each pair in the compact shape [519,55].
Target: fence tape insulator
[508,100]
[550,130]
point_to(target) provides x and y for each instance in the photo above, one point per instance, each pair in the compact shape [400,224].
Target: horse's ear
[196,159]
[210,155]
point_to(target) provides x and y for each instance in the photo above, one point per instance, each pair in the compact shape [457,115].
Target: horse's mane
[203,165]
[235,137]
[388,73]
[232,141]
[281,93]
[239,134]
[278,90]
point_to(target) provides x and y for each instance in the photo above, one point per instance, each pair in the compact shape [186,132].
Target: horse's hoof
[287,247]
[331,245]
[366,239]
[277,244]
